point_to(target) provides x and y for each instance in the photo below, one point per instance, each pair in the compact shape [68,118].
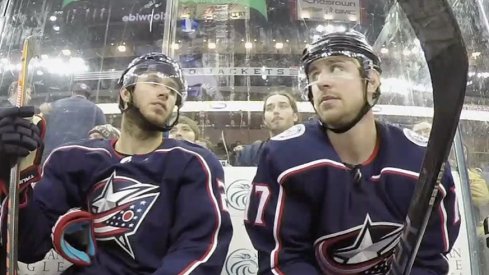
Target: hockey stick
[446,55]
[29,51]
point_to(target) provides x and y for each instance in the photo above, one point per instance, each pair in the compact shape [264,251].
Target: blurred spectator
[423,128]
[206,143]
[12,95]
[186,129]
[105,131]
[70,119]
[279,114]
[479,189]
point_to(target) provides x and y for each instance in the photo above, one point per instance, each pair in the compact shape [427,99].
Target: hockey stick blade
[30,50]
[441,39]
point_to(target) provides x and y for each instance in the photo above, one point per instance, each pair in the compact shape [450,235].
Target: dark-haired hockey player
[331,197]
[136,205]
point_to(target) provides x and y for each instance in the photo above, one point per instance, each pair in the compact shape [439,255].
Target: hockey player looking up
[331,196]
[137,205]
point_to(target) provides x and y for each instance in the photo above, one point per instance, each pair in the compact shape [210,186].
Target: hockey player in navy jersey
[331,196]
[20,138]
[138,205]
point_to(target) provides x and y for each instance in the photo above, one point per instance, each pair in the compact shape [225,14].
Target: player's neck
[357,144]
[136,141]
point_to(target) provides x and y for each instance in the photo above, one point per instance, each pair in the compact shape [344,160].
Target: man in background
[279,114]
[12,95]
[186,129]
[70,119]
[106,131]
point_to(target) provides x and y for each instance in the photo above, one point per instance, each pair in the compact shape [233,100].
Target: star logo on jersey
[119,205]
[365,249]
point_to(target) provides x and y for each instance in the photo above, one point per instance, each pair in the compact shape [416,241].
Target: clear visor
[158,75]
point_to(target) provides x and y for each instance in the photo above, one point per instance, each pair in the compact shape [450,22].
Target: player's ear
[373,81]
[125,95]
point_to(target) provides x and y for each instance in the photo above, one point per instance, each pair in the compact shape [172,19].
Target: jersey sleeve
[279,223]
[53,195]
[442,231]
[202,229]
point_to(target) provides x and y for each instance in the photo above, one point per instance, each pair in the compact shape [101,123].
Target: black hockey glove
[21,136]
[18,136]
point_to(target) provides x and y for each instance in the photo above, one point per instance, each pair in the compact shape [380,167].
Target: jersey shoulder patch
[292,132]
[415,137]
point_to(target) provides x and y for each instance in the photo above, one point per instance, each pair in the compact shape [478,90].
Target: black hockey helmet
[351,43]
[158,63]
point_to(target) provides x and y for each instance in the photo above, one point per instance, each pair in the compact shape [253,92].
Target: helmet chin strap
[365,108]
[143,122]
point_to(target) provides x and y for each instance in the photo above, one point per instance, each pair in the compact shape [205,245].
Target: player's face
[337,89]
[182,131]
[155,97]
[279,115]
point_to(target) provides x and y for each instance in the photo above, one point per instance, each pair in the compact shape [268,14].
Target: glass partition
[233,54]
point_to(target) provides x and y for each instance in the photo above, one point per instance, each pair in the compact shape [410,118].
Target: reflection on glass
[233,54]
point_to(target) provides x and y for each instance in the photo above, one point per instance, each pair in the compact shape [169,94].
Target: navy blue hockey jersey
[308,213]
[157,213]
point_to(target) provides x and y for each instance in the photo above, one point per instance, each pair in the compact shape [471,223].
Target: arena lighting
[329,28]
[341,28]
[483,75]
[61,66]
[328,16]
